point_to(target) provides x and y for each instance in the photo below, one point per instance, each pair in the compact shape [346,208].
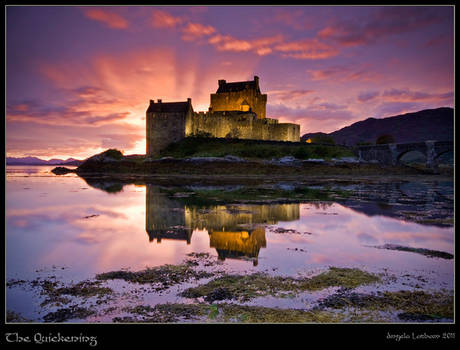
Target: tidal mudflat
[319,250]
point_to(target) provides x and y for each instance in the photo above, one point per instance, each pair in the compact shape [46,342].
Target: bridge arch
[391,154]
[441,153]
[399,157]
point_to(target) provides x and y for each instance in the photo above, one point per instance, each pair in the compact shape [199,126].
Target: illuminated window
[245,106]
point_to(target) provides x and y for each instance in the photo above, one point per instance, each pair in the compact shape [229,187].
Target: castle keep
[237,110]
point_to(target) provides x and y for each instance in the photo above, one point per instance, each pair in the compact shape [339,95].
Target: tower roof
[238,86]
[165,107]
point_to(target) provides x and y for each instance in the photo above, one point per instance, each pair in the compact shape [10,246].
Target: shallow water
[61,226]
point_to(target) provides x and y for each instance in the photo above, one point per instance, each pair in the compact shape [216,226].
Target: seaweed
[246,287]
[165,276]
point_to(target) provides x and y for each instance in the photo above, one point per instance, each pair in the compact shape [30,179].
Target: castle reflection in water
[235,231]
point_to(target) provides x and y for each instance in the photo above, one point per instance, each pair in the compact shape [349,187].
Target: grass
[226,313]
[218,147]
[410,305]
[246,287]
[85,289]
[65,314]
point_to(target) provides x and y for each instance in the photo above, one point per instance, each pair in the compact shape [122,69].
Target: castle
[234,235]
[237,110]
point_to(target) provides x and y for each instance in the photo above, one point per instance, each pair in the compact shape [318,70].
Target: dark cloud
[406,95]
[368,96]
[383,22]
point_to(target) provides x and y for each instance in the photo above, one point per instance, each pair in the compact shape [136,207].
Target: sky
[79,79]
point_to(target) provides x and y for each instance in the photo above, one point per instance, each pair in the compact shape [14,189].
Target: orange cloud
[307,49]
[162,19]
[196,30]
[301,49]
[229,43]
[111,19]
[260,46]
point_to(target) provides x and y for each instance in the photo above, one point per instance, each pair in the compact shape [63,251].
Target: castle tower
[165,123]
[240,96]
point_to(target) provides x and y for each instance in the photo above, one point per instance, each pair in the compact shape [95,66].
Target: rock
[346,160]
[231,158]
[111,155]
[61,170]
[287,159]
[314,160]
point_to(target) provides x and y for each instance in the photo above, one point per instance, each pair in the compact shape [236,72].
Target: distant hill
[312,135]
[38,161]
[429,124]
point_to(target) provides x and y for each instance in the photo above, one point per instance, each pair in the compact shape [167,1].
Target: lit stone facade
[237,110]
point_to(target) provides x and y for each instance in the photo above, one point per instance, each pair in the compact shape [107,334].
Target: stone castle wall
[240,125]
[237,110]
[164,129]
[220,219]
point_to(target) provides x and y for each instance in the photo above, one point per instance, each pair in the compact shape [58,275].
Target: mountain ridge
[424,125]
[38,161]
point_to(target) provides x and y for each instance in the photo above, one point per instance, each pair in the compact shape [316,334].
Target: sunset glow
[79,79]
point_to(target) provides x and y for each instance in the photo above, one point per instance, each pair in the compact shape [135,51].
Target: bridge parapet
[390,154]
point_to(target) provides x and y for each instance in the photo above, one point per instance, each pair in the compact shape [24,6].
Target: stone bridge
[390,154]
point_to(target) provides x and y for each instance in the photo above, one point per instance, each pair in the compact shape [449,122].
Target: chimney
[159,101]
[221,82]
[152,102]
[256,80]
[189,100]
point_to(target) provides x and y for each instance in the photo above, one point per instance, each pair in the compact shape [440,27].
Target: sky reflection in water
[64,222]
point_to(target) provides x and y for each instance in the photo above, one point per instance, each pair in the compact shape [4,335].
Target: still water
[62,222]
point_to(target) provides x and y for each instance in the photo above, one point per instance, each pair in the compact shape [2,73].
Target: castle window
[245,106]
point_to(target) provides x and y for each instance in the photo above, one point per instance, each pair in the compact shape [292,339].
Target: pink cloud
[307,49]
[325,117]
[289,95]
[197,30]
[109,18]
[162,19]
[295,19]
[396,95]
[301,49]
[345,73]
[229,43]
